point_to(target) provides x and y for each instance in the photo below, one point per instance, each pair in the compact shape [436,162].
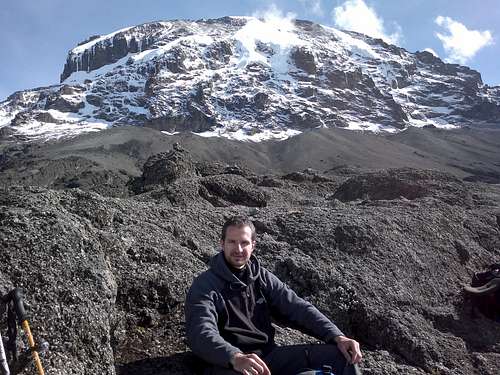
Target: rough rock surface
[106,277]
[409,184]
[166,168]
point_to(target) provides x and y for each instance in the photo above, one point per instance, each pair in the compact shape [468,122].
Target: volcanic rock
[64,104]
[167,167]
[232,189]
[106,277]
[406,183]
[304,59]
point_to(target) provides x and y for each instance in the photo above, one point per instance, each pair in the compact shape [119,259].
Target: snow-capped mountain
[248,78]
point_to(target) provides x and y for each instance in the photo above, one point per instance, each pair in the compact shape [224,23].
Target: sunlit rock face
[249,78]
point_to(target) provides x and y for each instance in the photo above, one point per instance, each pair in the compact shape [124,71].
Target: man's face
[238,245]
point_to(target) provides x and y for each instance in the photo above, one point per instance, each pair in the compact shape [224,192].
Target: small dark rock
[463,253]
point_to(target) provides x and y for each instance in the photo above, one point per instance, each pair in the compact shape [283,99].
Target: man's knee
[286,360]
[327,354]
[330,355]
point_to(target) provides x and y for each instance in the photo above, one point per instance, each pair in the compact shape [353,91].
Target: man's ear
[221,244]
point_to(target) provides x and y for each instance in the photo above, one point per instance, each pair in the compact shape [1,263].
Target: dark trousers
[290,360]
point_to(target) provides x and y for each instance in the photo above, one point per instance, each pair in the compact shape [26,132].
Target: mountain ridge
[250,79]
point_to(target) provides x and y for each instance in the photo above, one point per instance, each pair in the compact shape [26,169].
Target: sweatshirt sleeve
[297,311]
[202,332]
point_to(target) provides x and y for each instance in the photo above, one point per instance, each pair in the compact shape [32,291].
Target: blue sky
[35,35]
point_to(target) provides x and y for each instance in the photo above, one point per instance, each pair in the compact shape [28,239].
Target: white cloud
[313,6]
[461,44]
[431,51]
[273,15]
[355,15]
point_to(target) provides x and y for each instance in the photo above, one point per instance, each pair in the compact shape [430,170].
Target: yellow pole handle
[34,353]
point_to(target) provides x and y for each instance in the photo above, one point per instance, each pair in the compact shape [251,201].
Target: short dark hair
[238,221]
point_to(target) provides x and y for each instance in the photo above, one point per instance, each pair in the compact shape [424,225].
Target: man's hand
[349,348]
[249,364]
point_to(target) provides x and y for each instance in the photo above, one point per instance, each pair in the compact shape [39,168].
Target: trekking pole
[4,366]
[17,298]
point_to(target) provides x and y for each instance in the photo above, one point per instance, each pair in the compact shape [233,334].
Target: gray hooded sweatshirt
[226,315]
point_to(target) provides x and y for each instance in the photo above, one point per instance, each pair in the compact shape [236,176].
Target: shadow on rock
[406,183]
[176,364]
[479,333]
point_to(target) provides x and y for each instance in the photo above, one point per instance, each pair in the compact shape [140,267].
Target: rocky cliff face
[243,77]
[106,277]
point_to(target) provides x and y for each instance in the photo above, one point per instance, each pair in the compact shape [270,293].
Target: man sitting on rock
[229,309]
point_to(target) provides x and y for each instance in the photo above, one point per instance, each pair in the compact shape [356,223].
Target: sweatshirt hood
[221,269]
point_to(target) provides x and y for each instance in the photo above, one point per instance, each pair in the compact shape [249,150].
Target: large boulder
[404,183]
[225,190]
[165,168]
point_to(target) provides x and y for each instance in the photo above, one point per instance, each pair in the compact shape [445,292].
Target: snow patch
[437,122]
[150,54]
[64,116]
[243,135]
[80,76]
[80,49]
[370,126]
[278,33]
[170,133]
[43,130]
[7,116]
[355,46]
